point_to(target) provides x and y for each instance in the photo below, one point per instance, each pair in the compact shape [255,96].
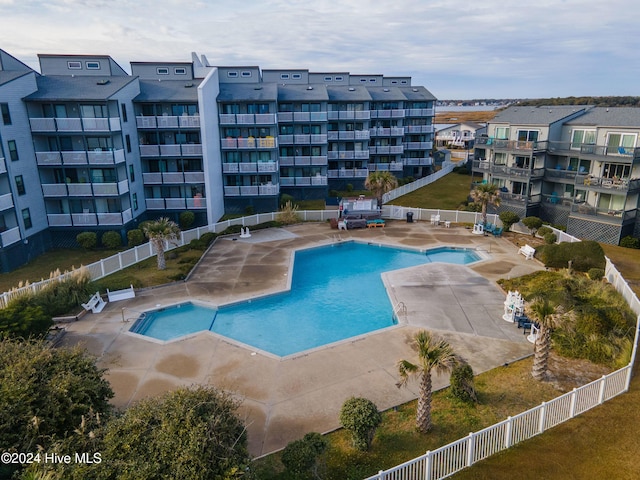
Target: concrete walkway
[284,398]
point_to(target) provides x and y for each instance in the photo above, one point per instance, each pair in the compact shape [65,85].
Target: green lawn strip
[446,193]
[626,261]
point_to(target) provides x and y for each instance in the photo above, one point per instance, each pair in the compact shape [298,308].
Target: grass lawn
[447,193]
[627,261]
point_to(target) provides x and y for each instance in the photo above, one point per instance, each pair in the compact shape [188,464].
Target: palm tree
[486,194]
[433,354]
[546,314]
[379,183]
[158,232]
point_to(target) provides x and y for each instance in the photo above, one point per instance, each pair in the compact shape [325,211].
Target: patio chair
[497,232]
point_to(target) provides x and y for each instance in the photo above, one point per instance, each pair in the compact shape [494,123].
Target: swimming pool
[336,293]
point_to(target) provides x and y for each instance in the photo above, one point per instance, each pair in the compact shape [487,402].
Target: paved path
[284,398]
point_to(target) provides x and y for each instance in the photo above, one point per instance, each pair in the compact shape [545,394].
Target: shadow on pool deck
[285,398]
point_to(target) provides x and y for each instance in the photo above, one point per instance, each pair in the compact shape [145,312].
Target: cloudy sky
[459,49]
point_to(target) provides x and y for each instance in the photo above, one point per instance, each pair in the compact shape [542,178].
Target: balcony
[187,150]
[418,129]
[3,166]
[157,178]
[397,113]
[418,145]
[517,199]
[504,170]
[85,189]
[248,119]
[75,124]
[558,201]
[315,181]
[387,167]
[99,157]
[168,121]
[419,112]
[608,184]
[252,191]
[387,150]
[556,174]
[349,115]
[348,173]
[616,217]
[386,132]
[195,203]
[348,155]
[9,237]
[426,161]
[249,143]
[6,202]
[349,135]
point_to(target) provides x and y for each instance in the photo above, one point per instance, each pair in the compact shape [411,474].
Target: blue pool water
[336,293]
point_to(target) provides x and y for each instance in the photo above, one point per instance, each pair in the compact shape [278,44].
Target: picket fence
[450,459]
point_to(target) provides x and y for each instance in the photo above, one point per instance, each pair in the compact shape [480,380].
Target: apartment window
[20,185]
[284,76]
[502,133]
[162,71]
[245,73]
[582,137]
[394,82]
[180,71]
[93,65]
[127,141]
[74,65]
[528,135]
[328,79]
[13,150]
[134,199]
[338,79]
[232,74]
[363,80]
[622,143]
[6,116]
[296,76]
[132,174]
[404,82]
[372,80]
[123,107]
[26,218]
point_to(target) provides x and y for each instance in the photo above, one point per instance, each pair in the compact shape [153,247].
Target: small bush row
[583,255]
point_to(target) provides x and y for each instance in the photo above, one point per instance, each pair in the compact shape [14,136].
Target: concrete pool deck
[284,398]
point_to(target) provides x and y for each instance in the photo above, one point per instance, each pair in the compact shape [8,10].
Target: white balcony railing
[149,150]
[54,189]
[59,220]
[193,177]
[3,166]
[74,158]
[46,158]
[10,236]
[79,189]
[146,122]
[6,201]
[152,178]
[84,219]
[172,177]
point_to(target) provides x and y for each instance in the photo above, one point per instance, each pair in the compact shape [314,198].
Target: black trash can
[409,217]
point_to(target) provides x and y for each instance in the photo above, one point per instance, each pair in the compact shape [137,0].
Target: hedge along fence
[130,257]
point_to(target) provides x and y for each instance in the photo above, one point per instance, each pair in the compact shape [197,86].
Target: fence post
[543,414]
[102,268]
[507,433]
[603,381]
[470,449]
[572,405]
[427,466]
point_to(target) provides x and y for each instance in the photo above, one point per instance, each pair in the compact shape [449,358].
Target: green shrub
[630,242]
[532,223]
[300,456]
[111,239]
[349,187]
[87,240]
[595,273]
[361,417]
[332,193]
[550,238]
[461,170]
[462,385]
[249,210]
[135,237]
[186,219]
[508,218]
[207,237]
[542,231]
[583,255]
[23,318]
[285,197]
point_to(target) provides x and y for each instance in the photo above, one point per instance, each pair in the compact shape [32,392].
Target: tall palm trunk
[423,415]
[541,351]
[484,212]
[158,245]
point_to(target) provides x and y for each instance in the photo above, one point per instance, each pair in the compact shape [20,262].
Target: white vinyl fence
[447,460]
[421,182]
[455,216]
[130,257]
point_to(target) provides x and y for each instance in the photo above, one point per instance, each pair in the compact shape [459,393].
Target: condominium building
[88,147]
[576,166]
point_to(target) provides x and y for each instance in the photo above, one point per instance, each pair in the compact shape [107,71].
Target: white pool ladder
[400,309]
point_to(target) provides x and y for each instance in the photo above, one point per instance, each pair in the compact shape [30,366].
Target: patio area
[284,398]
